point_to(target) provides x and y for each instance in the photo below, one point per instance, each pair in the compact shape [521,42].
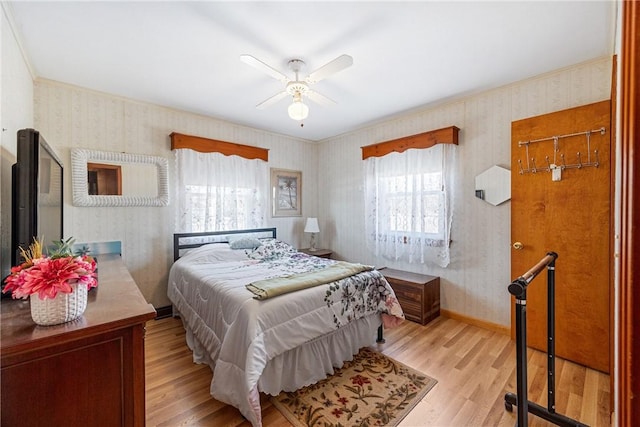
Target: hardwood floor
[474,368]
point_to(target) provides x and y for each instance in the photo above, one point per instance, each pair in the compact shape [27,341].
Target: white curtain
[408,204]
[217,192]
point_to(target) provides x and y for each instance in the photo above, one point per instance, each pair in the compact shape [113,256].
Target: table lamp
[312,227]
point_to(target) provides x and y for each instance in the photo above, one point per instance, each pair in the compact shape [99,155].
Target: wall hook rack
[555,167]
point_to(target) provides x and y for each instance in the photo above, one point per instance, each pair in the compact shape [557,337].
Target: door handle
[518,246]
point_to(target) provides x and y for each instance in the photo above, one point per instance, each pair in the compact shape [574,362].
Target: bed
[254,311]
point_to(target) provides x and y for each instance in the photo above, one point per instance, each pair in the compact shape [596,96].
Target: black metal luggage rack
[518,288]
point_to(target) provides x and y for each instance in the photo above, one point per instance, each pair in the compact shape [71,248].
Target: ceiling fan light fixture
[298,110]
[296,87]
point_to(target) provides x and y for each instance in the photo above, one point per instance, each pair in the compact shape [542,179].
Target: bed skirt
[303,365]
[315,360]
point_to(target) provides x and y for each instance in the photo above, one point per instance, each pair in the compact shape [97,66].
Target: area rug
[370,390]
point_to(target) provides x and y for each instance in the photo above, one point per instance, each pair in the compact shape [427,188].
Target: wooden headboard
[182,242]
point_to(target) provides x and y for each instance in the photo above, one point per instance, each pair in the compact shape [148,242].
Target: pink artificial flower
[48,276]
[14,281]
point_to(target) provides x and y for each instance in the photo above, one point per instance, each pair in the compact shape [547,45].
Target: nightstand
[418,294]
[322,253]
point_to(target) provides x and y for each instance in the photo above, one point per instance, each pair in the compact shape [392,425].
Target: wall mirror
[494,185]
[104,178]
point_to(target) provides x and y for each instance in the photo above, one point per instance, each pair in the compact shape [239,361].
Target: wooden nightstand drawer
[418,294]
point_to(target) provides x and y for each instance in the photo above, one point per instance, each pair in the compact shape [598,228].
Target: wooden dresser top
[115,303]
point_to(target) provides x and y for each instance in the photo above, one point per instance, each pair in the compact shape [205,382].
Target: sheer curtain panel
[218,192]
[408,204]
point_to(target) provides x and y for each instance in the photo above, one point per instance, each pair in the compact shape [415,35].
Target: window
[219,208]
[218,192]
[427,216]
[407,202]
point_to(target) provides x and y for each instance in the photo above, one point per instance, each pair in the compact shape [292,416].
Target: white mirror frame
[81,197]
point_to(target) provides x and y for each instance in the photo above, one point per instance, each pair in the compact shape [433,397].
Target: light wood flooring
[474,368]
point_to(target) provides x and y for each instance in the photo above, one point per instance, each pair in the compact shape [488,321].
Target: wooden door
[570,216]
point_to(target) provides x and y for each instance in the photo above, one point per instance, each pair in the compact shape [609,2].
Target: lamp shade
[298,110]
[312,226]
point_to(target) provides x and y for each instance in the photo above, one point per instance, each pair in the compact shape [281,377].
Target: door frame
[628,377]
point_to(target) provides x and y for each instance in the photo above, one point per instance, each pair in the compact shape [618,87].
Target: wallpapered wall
[69,117]
[16,110]
[475,283]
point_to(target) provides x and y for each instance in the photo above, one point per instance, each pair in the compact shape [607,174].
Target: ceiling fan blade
[270,101]
[332,67]
[320,99]
[256,63]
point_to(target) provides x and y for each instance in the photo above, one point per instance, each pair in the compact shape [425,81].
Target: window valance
[448,135]
[206,145]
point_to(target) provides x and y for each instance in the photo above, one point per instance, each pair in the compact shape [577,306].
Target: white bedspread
[241,334]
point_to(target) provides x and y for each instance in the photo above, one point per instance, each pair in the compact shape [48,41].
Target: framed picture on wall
[286,192]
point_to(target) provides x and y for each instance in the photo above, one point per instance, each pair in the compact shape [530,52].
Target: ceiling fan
[299,88]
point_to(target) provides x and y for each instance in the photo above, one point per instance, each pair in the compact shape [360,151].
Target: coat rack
[553,167]
[518,288]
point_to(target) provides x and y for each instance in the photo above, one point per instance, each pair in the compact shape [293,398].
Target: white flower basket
[63,308]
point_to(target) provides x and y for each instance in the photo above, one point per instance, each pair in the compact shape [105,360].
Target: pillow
[213,252]
[244,243]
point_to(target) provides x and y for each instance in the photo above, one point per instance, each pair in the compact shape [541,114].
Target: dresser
[418,294]
[87,372]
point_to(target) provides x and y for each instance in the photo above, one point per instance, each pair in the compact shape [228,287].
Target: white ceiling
[407,55]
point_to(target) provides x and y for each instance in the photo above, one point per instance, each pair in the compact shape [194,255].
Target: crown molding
[7,10]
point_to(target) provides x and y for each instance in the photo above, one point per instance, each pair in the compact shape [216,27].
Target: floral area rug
[370,390]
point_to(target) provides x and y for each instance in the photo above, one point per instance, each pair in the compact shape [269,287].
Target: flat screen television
[37,196]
